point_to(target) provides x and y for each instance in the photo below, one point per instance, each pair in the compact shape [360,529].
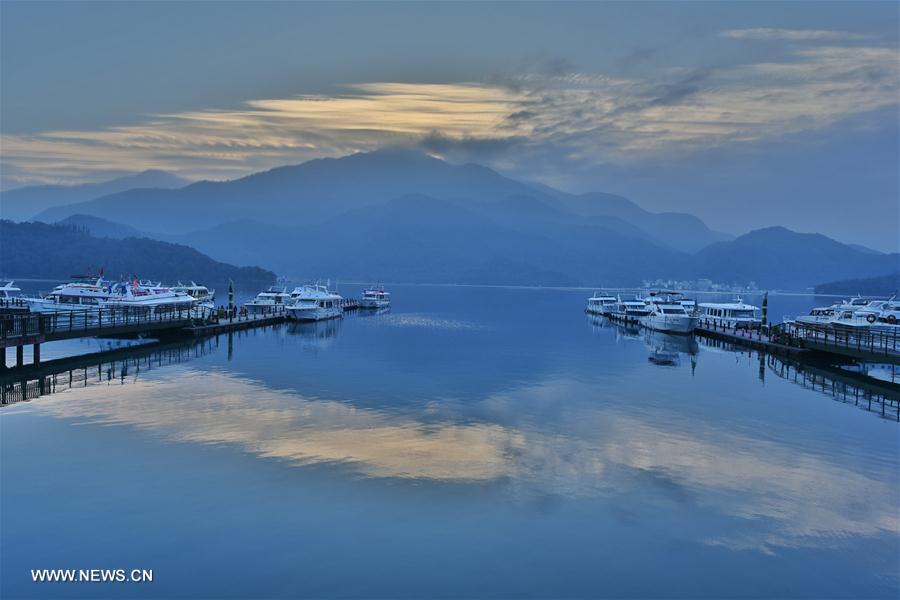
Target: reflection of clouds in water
[779,495]
[425,321]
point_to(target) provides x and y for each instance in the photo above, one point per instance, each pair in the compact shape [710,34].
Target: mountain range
[39,250]
[25,203]
[396,215]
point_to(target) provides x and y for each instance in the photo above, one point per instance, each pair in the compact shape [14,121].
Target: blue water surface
[472,442]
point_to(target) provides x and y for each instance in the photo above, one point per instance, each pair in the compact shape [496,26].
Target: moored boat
[733,315]
[272,299]
[314,303]
[375,297]
[666,313]
[9,292]
[601,304]
[629,311]
[200,293]
[137,296]
[81,294]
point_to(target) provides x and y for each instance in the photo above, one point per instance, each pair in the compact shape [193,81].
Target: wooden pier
[20,330]
[799,341]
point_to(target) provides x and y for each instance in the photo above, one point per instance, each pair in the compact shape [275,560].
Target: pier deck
[798,341]
[19,330]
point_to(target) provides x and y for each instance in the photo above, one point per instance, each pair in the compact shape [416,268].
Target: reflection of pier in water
[121,366]
[869,393]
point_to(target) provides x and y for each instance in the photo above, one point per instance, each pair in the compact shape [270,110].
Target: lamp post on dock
[765,311]
[230,300]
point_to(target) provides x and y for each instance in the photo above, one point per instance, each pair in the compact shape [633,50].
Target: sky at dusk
[745,114]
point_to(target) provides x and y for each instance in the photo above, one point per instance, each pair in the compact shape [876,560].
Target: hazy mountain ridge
[353,217]
[780,258]
[24,203]
[884,285]
[323,188]
[104,228]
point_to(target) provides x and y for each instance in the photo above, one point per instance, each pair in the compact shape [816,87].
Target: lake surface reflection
[471,442]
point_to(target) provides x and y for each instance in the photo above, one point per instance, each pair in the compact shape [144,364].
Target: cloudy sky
[747,114]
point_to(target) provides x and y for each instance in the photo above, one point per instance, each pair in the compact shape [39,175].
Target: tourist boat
[856,313]
[269,300]
[878,315]
[81,294]
[375,298]
[629,311]
[199,293]
[314,303]
[8,291]
[818,316]
[667,314]
[732,315]
[157,298]
[601,304]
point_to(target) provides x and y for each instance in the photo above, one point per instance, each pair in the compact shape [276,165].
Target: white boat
[134,295]
[601,304]
[879,317]
[375,298]
[856,314]
[629,311]
[268,300]
[9,292]
[75,295]
[667,314]
[733,315]
[818,316]
[200,293]
[314,303]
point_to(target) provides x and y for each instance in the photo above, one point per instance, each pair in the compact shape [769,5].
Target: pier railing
[842,341]
[13,303]
[93,322]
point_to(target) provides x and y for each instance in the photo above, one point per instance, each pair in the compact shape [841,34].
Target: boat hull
[371,303]
[727,323]
[670,323]
[39,305]
[314,314]
[259,309]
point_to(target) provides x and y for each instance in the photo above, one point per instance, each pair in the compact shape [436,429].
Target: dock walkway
[797,341]
[20,330]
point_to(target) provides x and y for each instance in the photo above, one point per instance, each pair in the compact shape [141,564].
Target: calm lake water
[471,442]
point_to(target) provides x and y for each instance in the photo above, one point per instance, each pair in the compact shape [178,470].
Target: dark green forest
[39,250]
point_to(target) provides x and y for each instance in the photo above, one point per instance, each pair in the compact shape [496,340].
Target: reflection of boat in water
[315,334]
[598,320]
[628,331]
[667,348]
[371,312]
